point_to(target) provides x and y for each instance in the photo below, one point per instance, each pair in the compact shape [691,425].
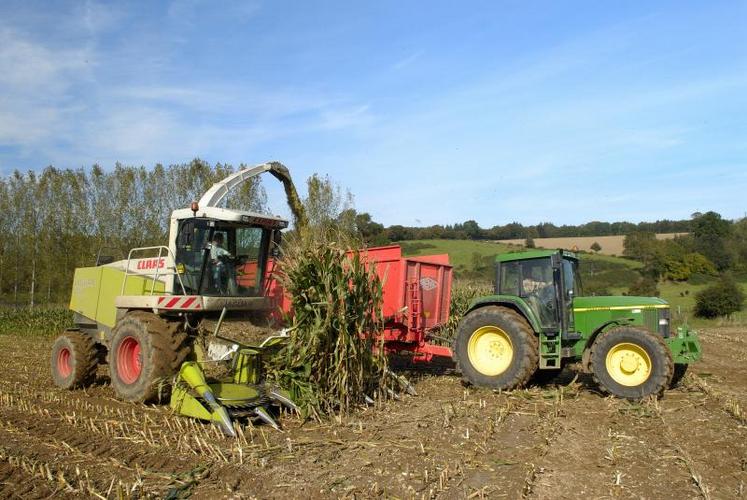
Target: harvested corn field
[561,441]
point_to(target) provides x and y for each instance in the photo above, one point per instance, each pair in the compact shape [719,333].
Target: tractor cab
[223,253]
[546,281]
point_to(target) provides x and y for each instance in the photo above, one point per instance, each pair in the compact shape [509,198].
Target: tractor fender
[514,303]
[586,356]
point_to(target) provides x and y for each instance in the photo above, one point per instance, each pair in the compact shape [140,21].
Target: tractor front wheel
[631,363]
[145,352]
[74,360]
[495,347]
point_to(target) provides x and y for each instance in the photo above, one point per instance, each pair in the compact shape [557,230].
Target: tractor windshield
[222,258]
[532,279]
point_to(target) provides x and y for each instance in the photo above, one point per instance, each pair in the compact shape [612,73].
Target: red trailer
[416,296]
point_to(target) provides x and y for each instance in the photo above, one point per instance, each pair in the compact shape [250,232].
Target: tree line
[57,220]
[471,230]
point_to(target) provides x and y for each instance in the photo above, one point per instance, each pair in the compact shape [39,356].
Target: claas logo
[152,263]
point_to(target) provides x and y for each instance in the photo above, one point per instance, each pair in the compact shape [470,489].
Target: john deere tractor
[537,321]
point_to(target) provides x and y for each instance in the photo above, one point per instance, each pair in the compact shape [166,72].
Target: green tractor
[537,322]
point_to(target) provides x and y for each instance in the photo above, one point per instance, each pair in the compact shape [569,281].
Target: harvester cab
[144,315]
[538,320]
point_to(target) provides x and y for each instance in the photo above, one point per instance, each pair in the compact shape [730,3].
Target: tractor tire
[495,347]
[146,351]
[631,363]
[74,360]
[679,373]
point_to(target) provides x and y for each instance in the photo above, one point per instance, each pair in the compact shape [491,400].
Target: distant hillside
[611,245]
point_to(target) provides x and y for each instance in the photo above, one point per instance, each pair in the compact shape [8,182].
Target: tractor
[143,315]
[538,321]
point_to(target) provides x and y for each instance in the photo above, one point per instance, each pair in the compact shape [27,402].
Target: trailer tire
[495,347]
[631,363]
[74,360]
[145,353]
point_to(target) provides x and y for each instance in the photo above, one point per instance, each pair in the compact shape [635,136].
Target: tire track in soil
[611,448]
[104,460]
[712,444]
[15,482]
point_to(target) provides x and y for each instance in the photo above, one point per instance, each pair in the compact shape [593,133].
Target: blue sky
[429,112]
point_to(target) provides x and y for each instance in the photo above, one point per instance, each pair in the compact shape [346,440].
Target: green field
[461,251]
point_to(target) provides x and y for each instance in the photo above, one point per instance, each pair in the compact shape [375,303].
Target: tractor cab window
[571,288]
[571,279]
[532,279]
[221,258]
[190,244]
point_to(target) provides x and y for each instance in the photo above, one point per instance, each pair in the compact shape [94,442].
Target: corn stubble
[331,363]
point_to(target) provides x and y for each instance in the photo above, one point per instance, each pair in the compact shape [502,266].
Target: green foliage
[529,242]
[710,234]
[49,321]
[327,206]
[640,245]
[720,299]
[514,230]
[463,292]
[56,221]
[599,276]
[645,287]
[329,362]
[415,247]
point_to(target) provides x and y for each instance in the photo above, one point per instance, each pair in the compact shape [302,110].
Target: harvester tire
[631,363]
[495,347]
[679,373]
[74,360]
[146,351]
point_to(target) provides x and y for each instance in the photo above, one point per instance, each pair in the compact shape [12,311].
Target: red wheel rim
[129,364]
[64,367]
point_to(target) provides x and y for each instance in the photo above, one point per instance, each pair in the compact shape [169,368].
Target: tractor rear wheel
[631,363]
[145,352]
[74,360]
[495,347]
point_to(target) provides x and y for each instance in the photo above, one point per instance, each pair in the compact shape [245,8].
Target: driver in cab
[218,256]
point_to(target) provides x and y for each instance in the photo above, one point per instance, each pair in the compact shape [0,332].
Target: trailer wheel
[74,360]
[145,352]
[631,363]
[495,347]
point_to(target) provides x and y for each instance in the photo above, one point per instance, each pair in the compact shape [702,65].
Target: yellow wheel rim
[490,350]
[628,364]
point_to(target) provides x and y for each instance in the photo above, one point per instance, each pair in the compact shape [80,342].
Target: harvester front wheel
[74,360]
[631,363]
[145,352]
[495,347]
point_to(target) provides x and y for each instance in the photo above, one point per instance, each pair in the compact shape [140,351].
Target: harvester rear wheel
[74,360]
[631,363]
[495,347]
[145,352]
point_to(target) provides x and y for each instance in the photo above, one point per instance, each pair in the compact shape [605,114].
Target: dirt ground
[558,441]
